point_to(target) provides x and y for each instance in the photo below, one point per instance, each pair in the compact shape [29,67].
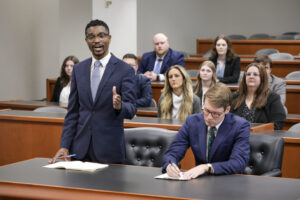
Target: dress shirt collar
[103,61]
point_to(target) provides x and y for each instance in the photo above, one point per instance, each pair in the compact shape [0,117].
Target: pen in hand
[176,168]
[67,156]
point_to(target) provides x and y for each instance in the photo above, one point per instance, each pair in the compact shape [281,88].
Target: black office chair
[259,36]
[192,72]
[266,51]
[146,146]
[237,37]
[285,37]
[281,56]
[51,109]
[295,75]
[295,128]
[265,155]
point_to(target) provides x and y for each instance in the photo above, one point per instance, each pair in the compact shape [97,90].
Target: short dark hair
[264,59]
[130,55]
[96,22]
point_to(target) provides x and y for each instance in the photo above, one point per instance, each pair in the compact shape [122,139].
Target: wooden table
[30,180]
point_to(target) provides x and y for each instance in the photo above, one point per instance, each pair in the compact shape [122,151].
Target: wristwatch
[210,168]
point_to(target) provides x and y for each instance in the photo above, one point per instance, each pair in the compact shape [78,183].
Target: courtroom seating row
[250,47]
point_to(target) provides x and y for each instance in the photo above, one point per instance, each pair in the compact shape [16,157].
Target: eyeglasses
[213,114]
[101,35]
[254,74]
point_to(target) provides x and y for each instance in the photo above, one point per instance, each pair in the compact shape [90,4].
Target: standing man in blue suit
[155,63]
[218,139]
[143,84]
[102,95]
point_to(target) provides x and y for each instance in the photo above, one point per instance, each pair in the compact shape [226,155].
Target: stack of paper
[166,176]
[77,165]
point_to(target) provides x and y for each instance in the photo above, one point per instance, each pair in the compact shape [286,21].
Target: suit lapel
[110,68]
[165,61]
[85,75]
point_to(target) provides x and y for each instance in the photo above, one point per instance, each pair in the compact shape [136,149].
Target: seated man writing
[219,139]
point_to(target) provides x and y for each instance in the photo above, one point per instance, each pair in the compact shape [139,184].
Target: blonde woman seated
[206,79]
[177,100]
[254,100]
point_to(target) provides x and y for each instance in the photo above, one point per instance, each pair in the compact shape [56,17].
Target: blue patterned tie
[95,78]
[157,66]
[211,137]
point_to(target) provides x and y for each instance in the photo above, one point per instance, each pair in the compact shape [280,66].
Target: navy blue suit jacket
[230,150]
[143,91]
[172,58]
[98,122]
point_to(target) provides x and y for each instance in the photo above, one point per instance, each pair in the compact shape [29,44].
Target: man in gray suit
[276,84]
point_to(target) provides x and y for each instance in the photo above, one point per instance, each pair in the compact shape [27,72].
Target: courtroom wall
[185,20]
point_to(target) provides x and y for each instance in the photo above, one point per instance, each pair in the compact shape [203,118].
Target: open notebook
[77,165]
[166,176]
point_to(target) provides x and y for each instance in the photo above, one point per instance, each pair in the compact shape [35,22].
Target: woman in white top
[206,78]
[62,87]
[177,100]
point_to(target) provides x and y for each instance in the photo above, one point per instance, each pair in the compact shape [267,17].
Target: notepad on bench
[77,165]
[166,176]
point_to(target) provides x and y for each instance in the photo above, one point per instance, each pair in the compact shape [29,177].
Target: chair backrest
[285,37]
[51,109]
[290,33]
[146,146]
[281,56]
[266,51]
[265,155]
[237,37]
[153,103]
[192,72]
[185,54]
[241,76]
[260,36]
[295,128]
[207,54]
[293,75]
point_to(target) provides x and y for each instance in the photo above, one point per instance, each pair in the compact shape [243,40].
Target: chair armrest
[274,173]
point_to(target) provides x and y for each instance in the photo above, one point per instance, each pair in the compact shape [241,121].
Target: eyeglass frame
[92,37]
[215,115]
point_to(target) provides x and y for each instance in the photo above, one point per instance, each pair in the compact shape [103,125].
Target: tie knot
[213,129]
[97,63]
[159,60]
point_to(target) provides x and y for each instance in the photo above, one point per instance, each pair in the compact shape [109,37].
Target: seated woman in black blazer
[62,87]
[177,100]
[254,100]
[227,63]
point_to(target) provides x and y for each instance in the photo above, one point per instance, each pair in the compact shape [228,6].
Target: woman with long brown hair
[177,100]
[227,63]
[62,87]
[254,100]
